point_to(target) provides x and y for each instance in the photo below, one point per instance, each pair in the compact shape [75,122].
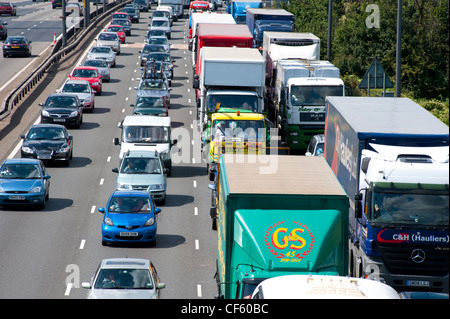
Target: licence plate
[15,47]
[44,157]
[16,197]
[59,120]
[418,283]
[129,234]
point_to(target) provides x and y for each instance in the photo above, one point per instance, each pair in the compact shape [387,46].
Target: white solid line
[199,290]
[69,287]
[93,209]
[83,241]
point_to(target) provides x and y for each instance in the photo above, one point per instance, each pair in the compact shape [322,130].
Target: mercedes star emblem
[418,256]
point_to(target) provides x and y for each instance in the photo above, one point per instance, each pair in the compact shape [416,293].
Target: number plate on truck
[418,283]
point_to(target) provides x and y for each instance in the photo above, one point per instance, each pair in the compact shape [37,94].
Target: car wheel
[104,243]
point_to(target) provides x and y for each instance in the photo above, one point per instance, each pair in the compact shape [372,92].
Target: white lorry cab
[322,287]
[146,133]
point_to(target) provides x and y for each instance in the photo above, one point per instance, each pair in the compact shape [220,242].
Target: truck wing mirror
[358,205]
[196,82]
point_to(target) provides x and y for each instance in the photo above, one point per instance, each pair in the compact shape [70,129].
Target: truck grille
[398,259]
[312,117]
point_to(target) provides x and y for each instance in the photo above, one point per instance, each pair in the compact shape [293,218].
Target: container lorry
[391,157]
[260,20]
[293,220]
[297,102]
[219,35]
[238,8]
[224,81]
[205,17]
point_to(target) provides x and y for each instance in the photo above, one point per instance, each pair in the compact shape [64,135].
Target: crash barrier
[21,92]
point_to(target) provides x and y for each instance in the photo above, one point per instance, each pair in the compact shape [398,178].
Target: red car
[118,29]
[7,8]
[121,15]
[89,73]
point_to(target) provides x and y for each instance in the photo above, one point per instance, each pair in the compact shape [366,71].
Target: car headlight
[45,113]
[149,222]
[95,83]
[108,221]
[73,114]
[27,149]
[88,99]
[123,187]
[165,154]
[63,149]
[36,189]
[2,190]
[156,187]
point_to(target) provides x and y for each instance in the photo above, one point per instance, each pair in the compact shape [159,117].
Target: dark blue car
[24,182]
[130,217]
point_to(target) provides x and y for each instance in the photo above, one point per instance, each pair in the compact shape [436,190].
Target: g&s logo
[289,241]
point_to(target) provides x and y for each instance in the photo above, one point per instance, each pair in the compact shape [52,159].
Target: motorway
[48,253]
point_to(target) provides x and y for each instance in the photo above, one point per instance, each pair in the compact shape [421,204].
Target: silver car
[160,41]
[103,53]
[102,67]
[122,278]
[109,39]
[161,23]
[83,90]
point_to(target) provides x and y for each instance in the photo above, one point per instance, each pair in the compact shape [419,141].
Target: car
[150,105]
[3,29]
[109,39]
[16,45]
[121,15]
[103,53]
[88,73]
[62,108]
[57,3]
[154,33]
[8,8]
[143,170]
[169,10]
[149,48]
[155,68]
[125,23]
[47,142]
[129,217]
[102,67]
[119,30]
[124,278]
[24,181]
[133,13]
[161,23]
[84,91]
[160,41]
[142,5]
[316,146]
[74,7]
[154,87]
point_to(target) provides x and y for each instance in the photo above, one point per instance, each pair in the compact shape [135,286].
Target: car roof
[48,125]
[84,67]
[108,32]
[115,25]
[139,153]
[114,263]
[63,94]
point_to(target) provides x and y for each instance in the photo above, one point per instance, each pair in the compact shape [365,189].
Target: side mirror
[115,170]
[116,141]
[167,171]
[22,136]
[101,210]
[157,210]
[47,176]
[175,141]
[86,285]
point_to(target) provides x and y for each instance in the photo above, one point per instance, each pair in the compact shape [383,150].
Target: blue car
[130,217]
[24,182]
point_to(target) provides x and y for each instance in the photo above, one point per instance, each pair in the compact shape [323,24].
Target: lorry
[224,81]
[177,7]
[238,8]
[146,133]
[288,45]
[260,20]
[290,220]
[205,17]
[233,133]
[392,158]
[297,102]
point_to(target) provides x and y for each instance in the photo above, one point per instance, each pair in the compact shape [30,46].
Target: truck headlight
[156,187]
[123,187]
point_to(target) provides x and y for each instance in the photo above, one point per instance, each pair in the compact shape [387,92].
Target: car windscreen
[101,50]
[45,133]
[141,165]
[85,73]
[76,88]
[96,63]
[146,134]
[61,101]
[20,171]
[108,37]
[124,279]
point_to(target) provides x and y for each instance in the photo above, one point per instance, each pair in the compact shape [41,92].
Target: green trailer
[278,215]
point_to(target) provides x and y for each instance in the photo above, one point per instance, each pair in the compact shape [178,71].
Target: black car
[17,45]
[3,29]
[150,48]
[48,142]
[125,23]
[133,13]
[62,108]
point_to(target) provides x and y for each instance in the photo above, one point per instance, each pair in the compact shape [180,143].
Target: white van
[142,132]
[169,9]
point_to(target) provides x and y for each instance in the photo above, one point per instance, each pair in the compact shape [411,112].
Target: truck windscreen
[313,95]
